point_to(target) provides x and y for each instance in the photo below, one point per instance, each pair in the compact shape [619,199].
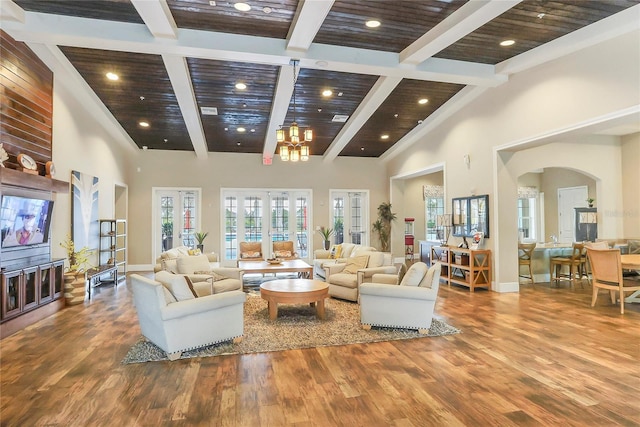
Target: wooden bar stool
[576,263]
[525,253]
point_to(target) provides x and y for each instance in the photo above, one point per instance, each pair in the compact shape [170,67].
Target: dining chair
[606,266]
[576,263]
[525,253]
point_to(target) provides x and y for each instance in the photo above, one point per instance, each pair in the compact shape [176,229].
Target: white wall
[561,94]
[80,144]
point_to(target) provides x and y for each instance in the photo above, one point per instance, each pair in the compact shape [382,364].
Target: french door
[176,217]
[569,198]
[264,216]
[350,216]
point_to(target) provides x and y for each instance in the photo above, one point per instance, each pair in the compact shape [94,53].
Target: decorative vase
[327,244]
[590,205]
[74,288]
[201,247]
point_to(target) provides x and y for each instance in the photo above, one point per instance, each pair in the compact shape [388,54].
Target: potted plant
[326,234]
[74,278]
[382,226]
[590,201]
[200,236]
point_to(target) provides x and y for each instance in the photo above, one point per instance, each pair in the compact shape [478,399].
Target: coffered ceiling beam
[157,17]
[279,108]
[178,71]
[127,37]
[308,19]
[464,20]
[376,96]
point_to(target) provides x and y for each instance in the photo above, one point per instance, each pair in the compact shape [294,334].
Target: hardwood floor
[540,357]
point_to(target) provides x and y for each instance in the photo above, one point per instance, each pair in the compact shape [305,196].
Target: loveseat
[207,277]
[176,321]
[335,255]
[181,251]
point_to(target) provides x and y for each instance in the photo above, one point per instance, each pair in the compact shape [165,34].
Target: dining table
[631,262]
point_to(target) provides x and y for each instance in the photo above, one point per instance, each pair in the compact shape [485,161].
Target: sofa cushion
[345,280]
[168,296]
[175,252]
[335,251]
[216,277]
[282,254]
[249,255]
[347,248]
[362,250]
[170,264]
[376,259]
[179,285]
[191,264]
[414,275]
[401,272]
[428,278]
[354,264]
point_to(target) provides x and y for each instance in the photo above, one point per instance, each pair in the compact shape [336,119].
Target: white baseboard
[506,287]
[140,267]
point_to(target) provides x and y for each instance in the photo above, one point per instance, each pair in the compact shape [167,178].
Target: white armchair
[208,278]
[344,279]
[177,326]
[408,305]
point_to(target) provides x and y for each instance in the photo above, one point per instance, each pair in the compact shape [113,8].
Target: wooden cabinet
[466,267]
[113,245]
[30,287]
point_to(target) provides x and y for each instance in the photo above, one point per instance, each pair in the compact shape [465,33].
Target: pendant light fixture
[294,149]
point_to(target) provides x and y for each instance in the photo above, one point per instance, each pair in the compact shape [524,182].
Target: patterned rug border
[296,328]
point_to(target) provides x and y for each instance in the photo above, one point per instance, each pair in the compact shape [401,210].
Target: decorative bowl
[274,261]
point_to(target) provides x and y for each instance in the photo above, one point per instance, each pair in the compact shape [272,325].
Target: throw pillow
[414,275]
[177,284]
[189,264]
[250,255]
[356,263]
[168,296]
[282,254]
[401,272]
[428,278]
[335,251]
[170,265]
[216,277]
[195,251]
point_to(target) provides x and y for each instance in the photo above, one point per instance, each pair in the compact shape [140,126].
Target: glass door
[350,217]
[176,218]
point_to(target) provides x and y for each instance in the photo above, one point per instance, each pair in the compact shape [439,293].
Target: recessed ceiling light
[385,136]
[242,7]
[144,147]
[372,23]
[144,124]
[423,101]
[241,86]
[112,76]
[141,98]
[253,130]
[339,93]
[541,15]
[241,130]
[361,148]
[267,10]
[507,42]
[322,63]
[212,3]
[395,115]
[327,92]
[166,140]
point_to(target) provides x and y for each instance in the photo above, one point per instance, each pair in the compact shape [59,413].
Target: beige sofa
[322,257]
[181,251]
[207,277]
[344,279]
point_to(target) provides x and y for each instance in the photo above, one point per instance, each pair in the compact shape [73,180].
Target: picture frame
[477,240]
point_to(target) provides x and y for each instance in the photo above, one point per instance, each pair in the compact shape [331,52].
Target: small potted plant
[590,201]
[200,236]
[326,234]
[74,280]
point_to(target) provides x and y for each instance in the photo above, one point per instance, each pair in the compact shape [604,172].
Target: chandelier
[294,149]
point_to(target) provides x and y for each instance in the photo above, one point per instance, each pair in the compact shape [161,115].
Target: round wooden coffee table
[294,291]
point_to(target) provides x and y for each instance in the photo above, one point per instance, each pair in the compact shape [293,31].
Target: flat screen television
[24,221]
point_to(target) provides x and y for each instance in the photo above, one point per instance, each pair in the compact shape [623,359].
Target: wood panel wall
[26,103]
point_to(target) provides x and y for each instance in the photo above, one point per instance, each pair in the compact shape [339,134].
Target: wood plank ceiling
[422,50]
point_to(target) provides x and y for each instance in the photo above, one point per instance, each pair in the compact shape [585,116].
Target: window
[527,219]
[433,206]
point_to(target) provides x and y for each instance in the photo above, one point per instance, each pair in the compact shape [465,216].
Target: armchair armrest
[365,274]
[230,272]
[389,279]
[198,305]
[395,291]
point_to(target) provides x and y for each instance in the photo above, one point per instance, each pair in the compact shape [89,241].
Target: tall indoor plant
[74,277]
[326,234]
[382,226]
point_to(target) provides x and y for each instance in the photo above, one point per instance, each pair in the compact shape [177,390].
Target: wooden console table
[466,267]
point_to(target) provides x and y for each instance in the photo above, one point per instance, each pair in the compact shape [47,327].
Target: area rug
[296,327]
